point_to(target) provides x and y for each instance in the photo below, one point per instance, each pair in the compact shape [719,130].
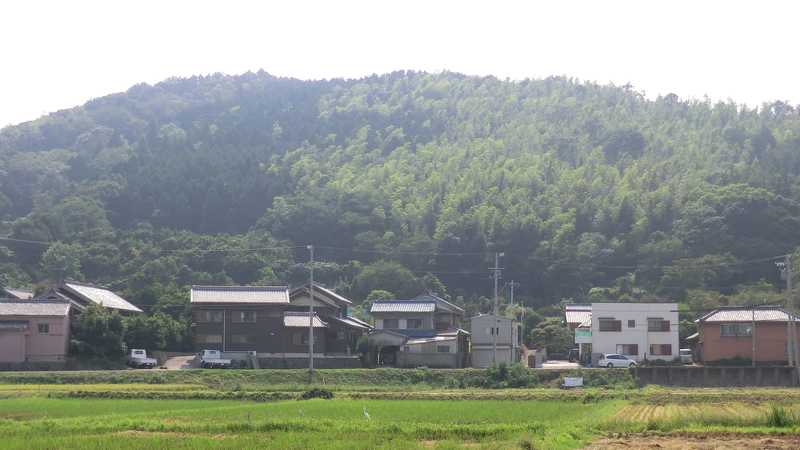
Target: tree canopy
[404,182]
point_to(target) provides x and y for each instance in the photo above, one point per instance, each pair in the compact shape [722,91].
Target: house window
[610,324]
[244,316]
[631,323]
[657,324]
[209,338]
[736,329]
[413,324]
[44,328]
[243,339]
[661,349]
[443,349]
[207,316]
[628,349]
[391,324]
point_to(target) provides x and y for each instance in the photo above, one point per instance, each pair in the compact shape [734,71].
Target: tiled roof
[22,294]
[33,308]
[402,306]
[578,313]
[431,339]
[350,322]
[239,294]
[442,303]
[746,315]
[332,294]
[101,296]
[300,320]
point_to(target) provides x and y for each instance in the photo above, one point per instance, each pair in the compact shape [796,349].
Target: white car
[614,360]
[686,355]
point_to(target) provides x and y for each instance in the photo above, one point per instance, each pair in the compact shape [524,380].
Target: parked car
[138,358]
[614,360]
[686,355]
[212,359]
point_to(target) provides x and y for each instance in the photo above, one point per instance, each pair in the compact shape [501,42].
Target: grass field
[248,409]
[61,423]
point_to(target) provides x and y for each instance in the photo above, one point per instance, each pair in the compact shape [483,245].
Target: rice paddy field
[202,411]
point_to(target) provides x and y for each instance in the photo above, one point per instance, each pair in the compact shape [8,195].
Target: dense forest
[405,182]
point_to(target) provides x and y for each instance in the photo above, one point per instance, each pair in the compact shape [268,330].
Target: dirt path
[180,362]
[702,442]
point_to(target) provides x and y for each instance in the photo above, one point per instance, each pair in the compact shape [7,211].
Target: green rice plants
[780,417]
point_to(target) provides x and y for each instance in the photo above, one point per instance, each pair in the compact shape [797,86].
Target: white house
[488,329]
[637,330]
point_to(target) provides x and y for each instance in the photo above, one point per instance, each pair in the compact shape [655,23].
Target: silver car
[615,360]
[686,355]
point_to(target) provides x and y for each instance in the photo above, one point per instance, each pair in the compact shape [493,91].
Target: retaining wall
[716,376]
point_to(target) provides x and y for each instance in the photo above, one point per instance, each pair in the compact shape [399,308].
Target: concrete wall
[770,343]
[480,327]
[607,341]
[482,356]
[433,360]
[715,376]
[343,362]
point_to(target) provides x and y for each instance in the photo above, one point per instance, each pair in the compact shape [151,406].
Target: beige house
[33,331]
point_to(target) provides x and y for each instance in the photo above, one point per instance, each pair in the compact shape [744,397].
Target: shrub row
[501,376]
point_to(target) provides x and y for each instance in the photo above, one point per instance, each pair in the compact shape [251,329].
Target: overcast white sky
[58,54]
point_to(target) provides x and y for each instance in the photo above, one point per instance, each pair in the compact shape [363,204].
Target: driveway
[556,364]
[181,362]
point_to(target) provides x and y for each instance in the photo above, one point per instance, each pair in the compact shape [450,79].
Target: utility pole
[496,329]
[791,326]
[311,315]
[790,307]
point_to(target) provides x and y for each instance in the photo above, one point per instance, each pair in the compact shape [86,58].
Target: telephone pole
[311,315]
[791,325]
[496,275]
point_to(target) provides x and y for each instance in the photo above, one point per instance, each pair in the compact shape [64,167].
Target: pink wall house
[33,331]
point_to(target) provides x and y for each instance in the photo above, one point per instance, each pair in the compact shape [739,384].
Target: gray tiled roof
[33,308]
[102,297]
[746,315]
[240,294]
[402,306]
[350,322]
[300,320]
[440,302]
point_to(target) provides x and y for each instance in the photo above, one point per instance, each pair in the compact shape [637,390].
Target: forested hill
[580,185]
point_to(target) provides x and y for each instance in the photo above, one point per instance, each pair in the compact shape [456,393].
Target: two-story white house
[637,330]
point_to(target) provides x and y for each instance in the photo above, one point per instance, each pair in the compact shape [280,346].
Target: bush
[317,393]
[504,376]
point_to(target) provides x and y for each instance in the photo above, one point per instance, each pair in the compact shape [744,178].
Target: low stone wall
[432,360]
[716,376]
[344,362]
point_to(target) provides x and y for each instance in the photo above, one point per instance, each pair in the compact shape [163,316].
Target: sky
[60,54]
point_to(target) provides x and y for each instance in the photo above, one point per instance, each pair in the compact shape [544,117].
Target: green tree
[62,261]
[553,335]
[98,332]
